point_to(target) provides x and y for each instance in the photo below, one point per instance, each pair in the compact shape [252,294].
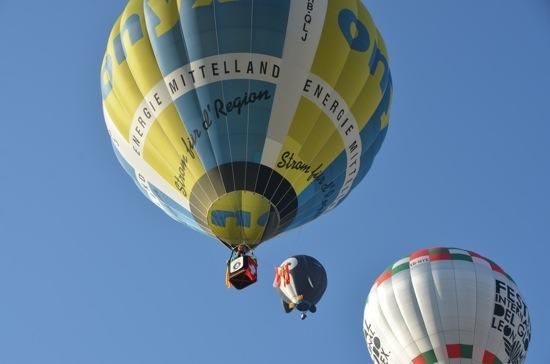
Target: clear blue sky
[92,272]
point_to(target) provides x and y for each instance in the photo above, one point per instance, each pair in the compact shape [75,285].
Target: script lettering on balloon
[213,112]
[289,161]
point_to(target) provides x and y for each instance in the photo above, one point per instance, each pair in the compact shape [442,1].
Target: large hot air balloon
[244,119]
[301,281]
[446,305]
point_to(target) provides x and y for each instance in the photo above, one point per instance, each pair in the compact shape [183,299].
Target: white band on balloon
[303,33]
[336,109]
[231,66]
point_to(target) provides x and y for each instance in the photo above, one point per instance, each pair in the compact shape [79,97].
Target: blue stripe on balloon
[239,26]
[190,108]
[248,129]
[233,24]
[371,135]
[320,194]
[269,26]
[199,30]
[258,121]
[367,158]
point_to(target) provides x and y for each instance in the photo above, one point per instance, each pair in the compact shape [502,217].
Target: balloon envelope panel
[243,119]
[446,305]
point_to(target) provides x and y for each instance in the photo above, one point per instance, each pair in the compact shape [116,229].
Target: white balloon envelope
[446,305]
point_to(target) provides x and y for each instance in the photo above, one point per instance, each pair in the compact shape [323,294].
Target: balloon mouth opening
[243,202]
[242,217]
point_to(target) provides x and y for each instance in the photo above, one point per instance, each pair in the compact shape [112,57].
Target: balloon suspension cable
[226,244]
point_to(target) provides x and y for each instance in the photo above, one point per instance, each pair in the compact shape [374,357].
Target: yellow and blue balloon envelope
[241,118]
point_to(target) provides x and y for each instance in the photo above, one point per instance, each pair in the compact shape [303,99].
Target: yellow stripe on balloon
[333,49]
[356,84]
[349,73]
[371,95]
[311,137]
[354,72]
[124,97]
[137,47]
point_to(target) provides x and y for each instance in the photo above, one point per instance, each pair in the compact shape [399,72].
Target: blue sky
[91,272]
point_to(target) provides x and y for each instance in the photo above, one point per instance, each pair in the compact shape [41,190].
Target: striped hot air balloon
[246,118]
[446,305]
